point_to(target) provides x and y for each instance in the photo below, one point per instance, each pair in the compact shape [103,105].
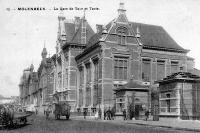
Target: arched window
[122,32]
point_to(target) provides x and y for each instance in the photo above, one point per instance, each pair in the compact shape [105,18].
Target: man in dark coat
[124,114]
[85,113]
[147,114]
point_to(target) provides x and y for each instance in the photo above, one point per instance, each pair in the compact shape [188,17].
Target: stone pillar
[178,104]
[167,67]
[102,89]
[92,81]
[154,70]
[84,84]
[77,88]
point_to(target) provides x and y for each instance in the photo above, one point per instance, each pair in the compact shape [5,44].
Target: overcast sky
[22,33]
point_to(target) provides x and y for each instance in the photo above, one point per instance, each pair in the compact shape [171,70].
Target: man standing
[124,114]
[84,113]
[147,114]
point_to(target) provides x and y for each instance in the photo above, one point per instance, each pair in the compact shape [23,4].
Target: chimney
[76,22]
[137,32]
[99,28]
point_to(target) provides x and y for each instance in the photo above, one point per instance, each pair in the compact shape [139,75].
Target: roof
[77,37]
[70,30]
[179,76]
[195,71]
[153,36]
[94,39]
[133,84]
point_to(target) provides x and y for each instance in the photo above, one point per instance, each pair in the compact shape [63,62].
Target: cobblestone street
[38,124]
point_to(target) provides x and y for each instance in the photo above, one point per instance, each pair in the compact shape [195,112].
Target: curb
[176,128]
[161,126]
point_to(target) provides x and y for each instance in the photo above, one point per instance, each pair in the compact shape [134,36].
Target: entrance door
[138,108]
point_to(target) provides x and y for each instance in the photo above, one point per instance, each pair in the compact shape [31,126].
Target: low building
[179,96]
[134,94]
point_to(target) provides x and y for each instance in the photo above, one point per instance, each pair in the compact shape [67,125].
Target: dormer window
[122,32]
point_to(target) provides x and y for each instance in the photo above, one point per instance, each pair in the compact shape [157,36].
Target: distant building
[28,84]
[179,96]
[36,88]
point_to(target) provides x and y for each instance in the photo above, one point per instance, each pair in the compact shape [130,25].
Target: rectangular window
[160,69]
[81,75]
[146,70]
[96,69]
[59,79]
[88,72]
[66,78]
[174,66]
[122,39]
[120,68]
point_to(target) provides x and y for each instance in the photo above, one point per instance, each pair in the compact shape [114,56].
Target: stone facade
[179,96]
[36,88]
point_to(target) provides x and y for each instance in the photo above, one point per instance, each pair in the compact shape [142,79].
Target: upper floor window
[81,75]
[59,79]
[122,32]
[160,69]
[174,66]
[146,69]
[120,68]
[88,71]
[96,70]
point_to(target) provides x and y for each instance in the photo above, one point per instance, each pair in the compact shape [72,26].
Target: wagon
[62,108]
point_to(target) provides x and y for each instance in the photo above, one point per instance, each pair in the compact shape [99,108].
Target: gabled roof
[153,36]
[183,76]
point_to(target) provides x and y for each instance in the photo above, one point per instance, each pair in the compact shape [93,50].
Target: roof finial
[121,9]
[84,14]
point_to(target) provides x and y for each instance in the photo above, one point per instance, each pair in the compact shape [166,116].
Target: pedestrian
[84,113]
[105,114]
[124,114]
[96,115]
[112,113]
[47,112]
[99,113]
[147,115]
[108,114]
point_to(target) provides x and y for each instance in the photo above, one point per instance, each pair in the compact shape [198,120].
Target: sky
[23,34]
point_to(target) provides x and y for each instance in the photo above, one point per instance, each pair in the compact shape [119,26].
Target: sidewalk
[186,125]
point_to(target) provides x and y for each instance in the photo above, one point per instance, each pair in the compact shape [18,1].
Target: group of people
[109,114]
[47,112]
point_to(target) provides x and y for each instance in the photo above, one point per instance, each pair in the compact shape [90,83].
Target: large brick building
[89,66]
